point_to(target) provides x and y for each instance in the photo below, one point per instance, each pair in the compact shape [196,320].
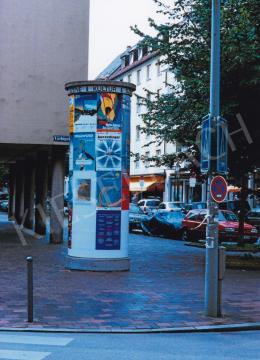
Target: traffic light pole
[212,291]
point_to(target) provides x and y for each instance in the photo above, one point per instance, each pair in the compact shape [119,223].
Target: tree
[184,42]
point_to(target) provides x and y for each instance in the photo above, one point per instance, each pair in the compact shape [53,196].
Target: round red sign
[218,189]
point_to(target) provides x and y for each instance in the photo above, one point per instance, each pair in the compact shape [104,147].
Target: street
[39,346]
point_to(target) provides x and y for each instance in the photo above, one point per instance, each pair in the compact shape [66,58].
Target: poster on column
[108,151]
[109,112]
[125,191]
[85,118]
[108,230]
[126,133]
[84,189]
[109,189]
[84,151]
[72,113]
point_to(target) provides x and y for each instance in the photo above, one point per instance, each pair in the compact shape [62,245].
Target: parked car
[136,216]
[164,223]
[170,206]
[253,218]
[149,205]
[194,227]
[4,205]
[195,205]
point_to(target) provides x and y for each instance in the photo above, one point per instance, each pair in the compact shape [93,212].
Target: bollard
[29,260]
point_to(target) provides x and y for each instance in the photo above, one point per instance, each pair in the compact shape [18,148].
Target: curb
[187,329]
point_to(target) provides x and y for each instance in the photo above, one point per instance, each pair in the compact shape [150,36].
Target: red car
[195,222]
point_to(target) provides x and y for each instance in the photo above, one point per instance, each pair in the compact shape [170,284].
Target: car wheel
[145,230]
[185,235]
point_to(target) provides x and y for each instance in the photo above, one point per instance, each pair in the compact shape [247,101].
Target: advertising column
[98,199]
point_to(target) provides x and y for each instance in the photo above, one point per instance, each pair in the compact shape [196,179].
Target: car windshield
[173,205]
[172,216]
[152,202]
[227,216]
[254,214]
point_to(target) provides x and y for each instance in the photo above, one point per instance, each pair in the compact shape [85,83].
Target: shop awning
[147,181]
[135,186]
[234,189]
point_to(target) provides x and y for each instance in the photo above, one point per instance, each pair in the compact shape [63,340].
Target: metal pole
[212,265]
[29,260]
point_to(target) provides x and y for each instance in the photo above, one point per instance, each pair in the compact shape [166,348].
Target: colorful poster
[84,187]
[72,113]
[85,119]
[84,151]
[108,230]
[109,112]
[126,133]
[109,189]
[69,227]
[108,151]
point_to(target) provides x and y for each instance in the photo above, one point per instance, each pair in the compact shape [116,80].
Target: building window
[148,72]
[138,77]
[158,152]
[158,65]
[129,78]
[138,132]
[121,79]
[138,104]
[147,162]
[145,50]
[135,56]
[137,164]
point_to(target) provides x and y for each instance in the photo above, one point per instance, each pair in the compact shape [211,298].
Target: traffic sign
[222,148]
[218,189]
[205,144]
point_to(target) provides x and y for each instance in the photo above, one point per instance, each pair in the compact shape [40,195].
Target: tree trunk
[242,212]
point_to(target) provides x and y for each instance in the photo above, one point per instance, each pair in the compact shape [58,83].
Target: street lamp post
[212,299]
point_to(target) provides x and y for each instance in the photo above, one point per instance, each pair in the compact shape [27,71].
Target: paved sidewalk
[164,289]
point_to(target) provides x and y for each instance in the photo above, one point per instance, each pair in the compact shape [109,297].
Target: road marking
[35,340]
[23,355]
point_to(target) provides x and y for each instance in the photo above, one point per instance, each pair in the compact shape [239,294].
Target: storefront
[146,186]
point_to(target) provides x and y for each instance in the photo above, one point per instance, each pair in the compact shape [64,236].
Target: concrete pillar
[184,192]
[167,186]
[203,192]
[41,189]
[11,204]
[19,193]
[57,195]
[29,191]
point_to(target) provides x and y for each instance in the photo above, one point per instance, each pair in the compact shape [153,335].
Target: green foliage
[184,42]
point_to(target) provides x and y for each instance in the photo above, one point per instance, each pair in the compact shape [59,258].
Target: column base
[76,263]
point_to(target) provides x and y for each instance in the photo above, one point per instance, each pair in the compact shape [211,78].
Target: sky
[110,33]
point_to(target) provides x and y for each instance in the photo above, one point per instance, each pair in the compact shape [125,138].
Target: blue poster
[108,230]
[109,112]
[109,149]
[126,133]
[85,118]
[83,151]
[109,189]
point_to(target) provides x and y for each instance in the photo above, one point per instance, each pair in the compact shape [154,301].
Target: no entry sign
[218,189]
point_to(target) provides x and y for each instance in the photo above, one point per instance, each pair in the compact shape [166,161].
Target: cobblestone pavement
[164,289]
